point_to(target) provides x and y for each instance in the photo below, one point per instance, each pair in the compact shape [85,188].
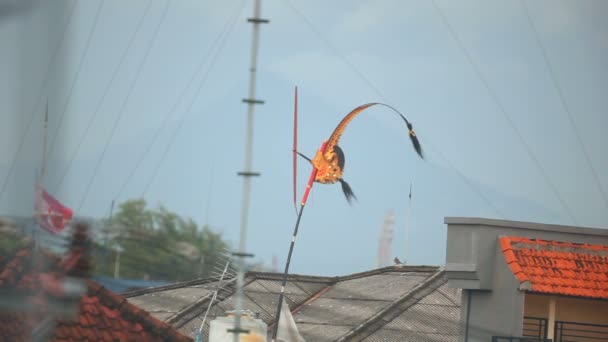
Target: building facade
[525,281]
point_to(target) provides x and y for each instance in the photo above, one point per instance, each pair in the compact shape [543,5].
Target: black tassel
[416,144]
[348,192]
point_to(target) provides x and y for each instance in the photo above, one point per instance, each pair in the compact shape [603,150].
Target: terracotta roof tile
[103,315]
[556,267]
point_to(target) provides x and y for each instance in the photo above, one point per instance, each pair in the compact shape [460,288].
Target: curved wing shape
[337,133]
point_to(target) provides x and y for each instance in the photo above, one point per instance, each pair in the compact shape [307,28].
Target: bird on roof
[330,162]
[397,261]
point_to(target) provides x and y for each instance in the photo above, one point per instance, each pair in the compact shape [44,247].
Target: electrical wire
[336,52]
[126,100]
[191,104]
[85,133]
[76,77]
[227,26]
[564,103]
[504,112]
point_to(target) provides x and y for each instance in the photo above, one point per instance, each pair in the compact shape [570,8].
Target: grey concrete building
[527,279]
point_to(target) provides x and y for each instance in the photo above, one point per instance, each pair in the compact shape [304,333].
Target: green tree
[158,244]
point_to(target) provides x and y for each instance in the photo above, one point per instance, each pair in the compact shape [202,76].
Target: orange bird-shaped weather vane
[330,160]
[328,168]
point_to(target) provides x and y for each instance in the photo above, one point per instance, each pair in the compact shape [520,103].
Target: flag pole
[311,180]
[42,171]
[44,142]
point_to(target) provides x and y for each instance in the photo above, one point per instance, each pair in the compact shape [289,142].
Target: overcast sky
[511,111]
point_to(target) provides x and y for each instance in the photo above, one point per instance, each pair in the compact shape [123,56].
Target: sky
[508,99]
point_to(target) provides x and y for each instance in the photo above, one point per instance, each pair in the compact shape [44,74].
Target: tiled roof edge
[507,251]
[148,322]
[360,330]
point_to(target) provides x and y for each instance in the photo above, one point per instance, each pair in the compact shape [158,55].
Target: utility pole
[247,173]
[117,264]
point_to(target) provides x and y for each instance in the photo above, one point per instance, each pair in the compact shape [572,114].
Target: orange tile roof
[103,315]
[555,267]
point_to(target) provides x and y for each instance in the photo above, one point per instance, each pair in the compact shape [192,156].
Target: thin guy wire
[467,181]
[75,80]
[103,97]
[124,104]
[379,94]
[336,51]
[194,98]
[562,99]
[177,102]
[40,97]
[504,112]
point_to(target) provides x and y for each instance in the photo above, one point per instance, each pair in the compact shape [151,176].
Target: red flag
[50,213]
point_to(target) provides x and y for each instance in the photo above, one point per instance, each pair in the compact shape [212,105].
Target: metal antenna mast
[247,173]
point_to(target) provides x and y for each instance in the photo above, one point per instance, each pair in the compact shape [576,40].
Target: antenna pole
[44,139]
[408,222]
[251,101]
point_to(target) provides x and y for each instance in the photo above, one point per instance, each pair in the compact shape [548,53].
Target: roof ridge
[378,316]
[292,277]
[393,268]
[139,292]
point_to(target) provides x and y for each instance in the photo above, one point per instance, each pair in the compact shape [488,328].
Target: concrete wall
[475,262]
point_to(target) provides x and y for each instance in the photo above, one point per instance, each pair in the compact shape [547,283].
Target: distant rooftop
[379,305]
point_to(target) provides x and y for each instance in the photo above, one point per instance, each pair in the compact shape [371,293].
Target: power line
[40,97]
[336,52]
[354,69]
[124,104]
[103,97]
[468,182]
[563,102]
[228,25]
[194,98]
[503,111]
[75,80]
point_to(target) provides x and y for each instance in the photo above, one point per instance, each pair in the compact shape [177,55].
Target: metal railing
[518,339]
[535,330]
[580,332]
[535,327]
